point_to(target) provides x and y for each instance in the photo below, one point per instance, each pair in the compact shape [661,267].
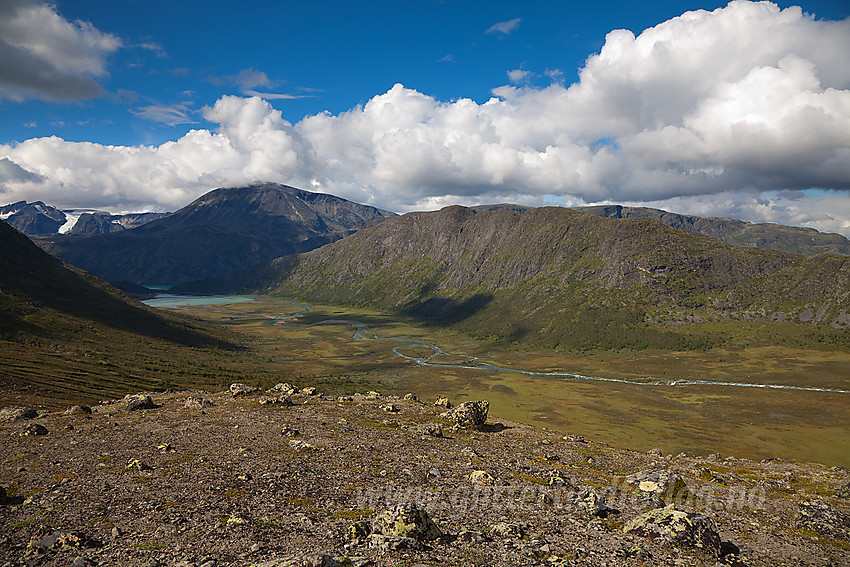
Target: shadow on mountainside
[447,310]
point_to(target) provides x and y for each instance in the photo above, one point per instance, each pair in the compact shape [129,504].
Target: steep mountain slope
[42,297]
[554,276]
[797,240]
[63,331]
[224,230]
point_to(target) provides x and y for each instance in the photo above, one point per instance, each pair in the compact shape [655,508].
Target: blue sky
[154,72]
[184,55]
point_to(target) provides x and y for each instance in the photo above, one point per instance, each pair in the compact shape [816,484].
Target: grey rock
[283,388]
[196,402]
[15,413]
[34,429]
[78,410]
[468,414]
[678,528]
[408,521]
[664,483]
[238,389]
[821,517]
[139,402]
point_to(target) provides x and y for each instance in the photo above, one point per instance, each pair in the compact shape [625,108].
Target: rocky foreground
[291,477]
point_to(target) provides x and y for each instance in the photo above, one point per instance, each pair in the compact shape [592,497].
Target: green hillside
[555,277]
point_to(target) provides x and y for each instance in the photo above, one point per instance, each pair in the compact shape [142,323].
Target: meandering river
[362,333]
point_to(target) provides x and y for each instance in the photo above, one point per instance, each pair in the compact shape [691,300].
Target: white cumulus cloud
[43,55]
[743,111]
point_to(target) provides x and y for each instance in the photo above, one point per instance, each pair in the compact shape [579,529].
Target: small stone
[575,438]
[444,402]
[165,448]
[276,401]
[411,398]
[34,429]
[389,407]
[552,457]
[137,465]
[196,402]
[299,445]
[372,395]
[59,540]
[238,389]
[481,477]
[431,429]
[78,410]
[506,530]
[82,562]
[289,431]
[311,391]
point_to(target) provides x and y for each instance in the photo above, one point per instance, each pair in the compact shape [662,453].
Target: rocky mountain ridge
[796,240]
[38,219]
[224,230]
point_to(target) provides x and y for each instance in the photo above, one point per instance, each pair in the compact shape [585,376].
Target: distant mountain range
[555,276]
[38,219]
[224,230]
[797,240]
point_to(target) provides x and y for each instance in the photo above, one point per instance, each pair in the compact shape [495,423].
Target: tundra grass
[744,422]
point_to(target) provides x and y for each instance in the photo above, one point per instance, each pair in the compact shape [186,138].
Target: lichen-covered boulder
[591,503]
[241,389]
[677,527]
[468,414]
[283,388]
[443,402]
[78,410]
[14,413]
[818,516]
[667,485]
[139,402]
[406,520]
[34,429]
